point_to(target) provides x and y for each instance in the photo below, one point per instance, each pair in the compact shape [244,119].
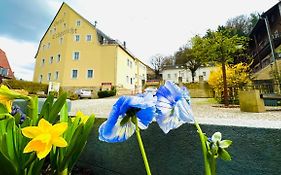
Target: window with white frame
[128,62]
[49,77]
[76,55]
[51,59]
[78,23]
[204,73]
[168,75]
[76,38]
[74,74]
[43,62]
[131,80]
[131,63]
[58,58]
[90,73]
[176,75]
[56,75]
[127,79]
[88,37]
[40,78]
[61,40]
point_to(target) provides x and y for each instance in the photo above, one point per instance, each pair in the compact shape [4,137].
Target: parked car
[150,89]
[83,93]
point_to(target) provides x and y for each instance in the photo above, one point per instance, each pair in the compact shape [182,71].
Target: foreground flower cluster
[170,107]
[38,139]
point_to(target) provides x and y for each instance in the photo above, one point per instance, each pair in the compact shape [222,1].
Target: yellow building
[74,53]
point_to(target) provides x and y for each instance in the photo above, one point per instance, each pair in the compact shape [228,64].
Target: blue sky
[149,27]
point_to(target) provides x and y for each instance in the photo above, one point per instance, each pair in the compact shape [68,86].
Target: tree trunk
[225,94]
[193,75]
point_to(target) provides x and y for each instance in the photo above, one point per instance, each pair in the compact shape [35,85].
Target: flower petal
[118,133]
[183,111]
[44,125]
[59,142]
[31,131]
[216,137]
[145,117]
[58,129]
[168,122]
[44,152]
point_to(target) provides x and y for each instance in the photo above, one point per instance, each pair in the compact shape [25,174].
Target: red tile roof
[5,64]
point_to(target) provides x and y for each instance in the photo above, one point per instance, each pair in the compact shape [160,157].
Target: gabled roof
[102,38]
[4,63]
[261,22]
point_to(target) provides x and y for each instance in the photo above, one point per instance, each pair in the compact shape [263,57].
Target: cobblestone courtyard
[205,112]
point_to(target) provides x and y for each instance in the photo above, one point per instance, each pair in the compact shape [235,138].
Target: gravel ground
[205,112]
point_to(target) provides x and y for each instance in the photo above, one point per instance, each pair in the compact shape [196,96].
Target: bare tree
[158,61]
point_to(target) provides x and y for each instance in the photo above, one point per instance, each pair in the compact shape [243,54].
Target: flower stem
[145,161]
[204,150]
[213,165]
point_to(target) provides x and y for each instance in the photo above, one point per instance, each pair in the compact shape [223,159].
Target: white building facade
[175,73]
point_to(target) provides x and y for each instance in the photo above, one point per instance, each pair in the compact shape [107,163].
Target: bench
[270,99]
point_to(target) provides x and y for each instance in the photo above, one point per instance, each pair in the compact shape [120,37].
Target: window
[76,38]
[131,63]
[90,73]
[43,62]
[176,75]
[76,55]
[49,76]
[40,78]
[74,74]
[51,59]
[44,47]
[58,58]
[168,76]
[49,45]
[204,73]
[127,78]
[128,62]
[61,40]
[56,75]
[3,71]
[78,23]
[131,80]
[89,38]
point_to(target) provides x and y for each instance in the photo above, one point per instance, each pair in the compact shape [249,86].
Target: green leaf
[225,143]
[64,113]
[7,167]
[46,107]
[3,109]
[224,155]
[57,107]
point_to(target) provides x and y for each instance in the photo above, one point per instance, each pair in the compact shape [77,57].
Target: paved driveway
[204,112]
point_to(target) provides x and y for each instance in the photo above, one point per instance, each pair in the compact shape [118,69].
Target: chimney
[124,44]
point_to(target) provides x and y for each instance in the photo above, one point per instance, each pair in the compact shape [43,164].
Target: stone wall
[254,151]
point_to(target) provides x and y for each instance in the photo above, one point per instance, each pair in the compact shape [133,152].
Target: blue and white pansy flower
[120,123]
[173,107]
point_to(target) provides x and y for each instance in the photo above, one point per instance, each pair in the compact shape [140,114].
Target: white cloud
[20,55]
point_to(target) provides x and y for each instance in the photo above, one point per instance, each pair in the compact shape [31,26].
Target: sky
[149,27]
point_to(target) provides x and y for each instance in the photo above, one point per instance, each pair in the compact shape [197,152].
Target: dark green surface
[255,151]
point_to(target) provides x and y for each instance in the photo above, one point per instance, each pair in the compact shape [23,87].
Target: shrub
[29,86]
[107,93]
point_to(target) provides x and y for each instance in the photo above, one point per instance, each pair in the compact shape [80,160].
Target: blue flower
[120,124]
[173,107]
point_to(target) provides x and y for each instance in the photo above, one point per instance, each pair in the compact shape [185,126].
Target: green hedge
[29,86]
[107,93]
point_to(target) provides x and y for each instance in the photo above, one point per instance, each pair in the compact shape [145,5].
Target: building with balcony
[265,45]
[5,69]
[76,54]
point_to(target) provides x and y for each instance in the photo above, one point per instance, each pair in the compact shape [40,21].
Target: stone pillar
[250,101]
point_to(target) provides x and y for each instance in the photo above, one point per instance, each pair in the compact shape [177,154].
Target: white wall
[175,73]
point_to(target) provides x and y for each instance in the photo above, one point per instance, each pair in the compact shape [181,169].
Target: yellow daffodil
[83,117]
[6,102]
[7,96]
[44,136]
